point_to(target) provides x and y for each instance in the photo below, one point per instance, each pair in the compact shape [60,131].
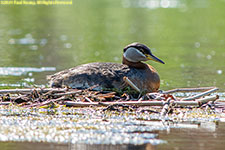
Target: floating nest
[166,101]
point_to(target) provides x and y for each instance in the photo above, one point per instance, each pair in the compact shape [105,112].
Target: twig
[128,81]
[166,107]
[188,90]
[46,102]
[199,102]
[140,99]
[207,99]
[67,93]
[142,103]
[88,99]
[200,95]
[5,103]
[13,91]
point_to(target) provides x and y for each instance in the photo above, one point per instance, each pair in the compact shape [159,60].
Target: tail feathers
[54,84]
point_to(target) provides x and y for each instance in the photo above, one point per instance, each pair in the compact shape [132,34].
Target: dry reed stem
[67,93]
[199,102]
[129,82]
[13,91]
[200,94]
[5,103]
[188,90]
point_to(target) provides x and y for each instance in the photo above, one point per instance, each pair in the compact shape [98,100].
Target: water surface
[186,34]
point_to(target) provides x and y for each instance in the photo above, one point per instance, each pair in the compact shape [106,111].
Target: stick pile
[84,98]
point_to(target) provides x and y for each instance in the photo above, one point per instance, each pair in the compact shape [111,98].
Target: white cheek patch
[134,55]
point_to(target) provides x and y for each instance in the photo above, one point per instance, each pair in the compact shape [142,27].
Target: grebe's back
[103,75]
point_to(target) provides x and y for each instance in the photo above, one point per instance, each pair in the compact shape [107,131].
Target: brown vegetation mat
[38,97]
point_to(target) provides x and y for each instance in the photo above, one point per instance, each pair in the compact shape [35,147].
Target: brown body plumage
[110,75]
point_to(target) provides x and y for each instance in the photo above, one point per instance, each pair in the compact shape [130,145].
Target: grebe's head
[137,52]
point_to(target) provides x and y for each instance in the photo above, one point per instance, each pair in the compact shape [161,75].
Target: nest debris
[110,100]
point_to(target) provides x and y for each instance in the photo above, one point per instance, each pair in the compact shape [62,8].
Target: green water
[186,34]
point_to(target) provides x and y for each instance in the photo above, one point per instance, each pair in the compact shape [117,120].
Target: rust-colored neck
[139,65]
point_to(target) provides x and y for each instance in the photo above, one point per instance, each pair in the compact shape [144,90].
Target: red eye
[142,50]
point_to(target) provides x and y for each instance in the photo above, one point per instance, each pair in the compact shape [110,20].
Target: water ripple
[18,71]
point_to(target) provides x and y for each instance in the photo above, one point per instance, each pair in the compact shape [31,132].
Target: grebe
[110,75]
